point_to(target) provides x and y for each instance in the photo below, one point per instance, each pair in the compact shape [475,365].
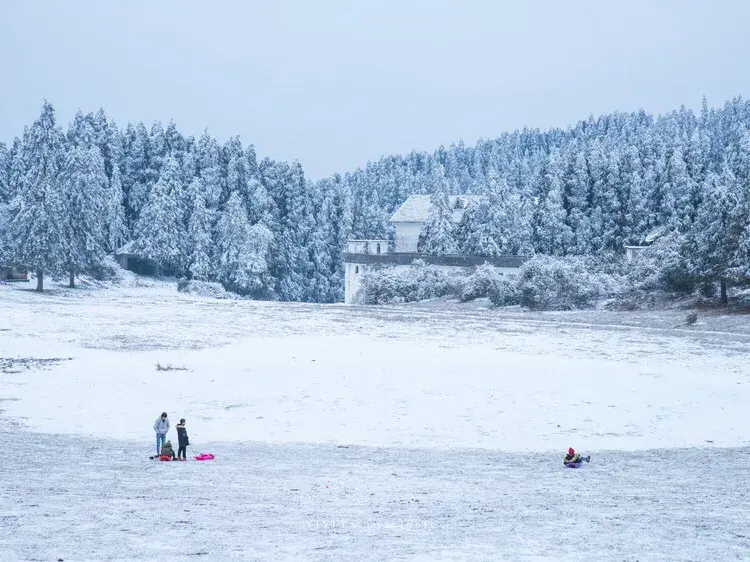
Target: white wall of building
[352,280]
[368,247]
[407,236]
[631,252]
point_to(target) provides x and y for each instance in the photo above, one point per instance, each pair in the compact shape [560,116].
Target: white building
[412,214]
[355,264]
[407,222]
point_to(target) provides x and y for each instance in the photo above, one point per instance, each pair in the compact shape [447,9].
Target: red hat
[571,451]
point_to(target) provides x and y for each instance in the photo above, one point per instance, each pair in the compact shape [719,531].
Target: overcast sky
[335,84]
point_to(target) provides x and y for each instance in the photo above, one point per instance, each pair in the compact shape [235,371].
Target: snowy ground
[348,433]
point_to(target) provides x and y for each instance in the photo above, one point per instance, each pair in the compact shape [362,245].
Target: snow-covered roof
[417,207]
[126,249]
[655,234]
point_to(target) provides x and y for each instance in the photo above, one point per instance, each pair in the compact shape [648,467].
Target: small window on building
[356,269]
[377,249]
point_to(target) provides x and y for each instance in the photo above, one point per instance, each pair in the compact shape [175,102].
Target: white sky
[336,83]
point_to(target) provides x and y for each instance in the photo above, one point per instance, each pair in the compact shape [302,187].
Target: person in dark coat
[182,440]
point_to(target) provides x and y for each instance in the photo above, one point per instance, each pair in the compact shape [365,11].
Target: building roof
[655,234]
[127,249]
[417,207]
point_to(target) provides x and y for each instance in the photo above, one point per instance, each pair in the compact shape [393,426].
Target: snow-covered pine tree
[243,180]
[5,162]
[208,164]
[499,224]
[609,200]
[117,230]
[159,151]
[35,232]
[661,194]
[292,228]
[740,269]
[5,197]
[551,233]
[713,242]
[85,188]
[109,139]
[81,131]
[577,202]
[242,251]
[474,232]
[199,239]
[160,229]
[174,143]
[509,213]
[341,223]
[436,237]
[321,237]
[633,213]
[5,249]
[189,162]
[16,171]
[260,204]
[139,173]
[680,188]
[17,165]
[464,227]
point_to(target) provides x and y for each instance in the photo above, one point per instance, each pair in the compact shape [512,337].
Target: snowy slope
[346,433]
[88,499]
[297,373]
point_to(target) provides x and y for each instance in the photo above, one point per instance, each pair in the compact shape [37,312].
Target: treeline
[197,208]
[212,211]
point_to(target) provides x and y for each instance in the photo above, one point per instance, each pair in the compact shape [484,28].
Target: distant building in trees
[10,273]
[412,214]
[131,261]
[407,221]
[631,252]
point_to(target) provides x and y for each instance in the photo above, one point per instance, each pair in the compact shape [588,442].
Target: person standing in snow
[182,440]
[161,427]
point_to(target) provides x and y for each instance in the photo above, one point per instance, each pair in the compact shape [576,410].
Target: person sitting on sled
[167,452]
[574,458]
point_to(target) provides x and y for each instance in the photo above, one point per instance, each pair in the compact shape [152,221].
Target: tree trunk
[724,299]
[39,281]
[72,283]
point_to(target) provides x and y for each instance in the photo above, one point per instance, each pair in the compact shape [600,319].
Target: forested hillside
[213,211]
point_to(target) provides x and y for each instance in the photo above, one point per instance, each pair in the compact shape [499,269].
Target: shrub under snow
[549,283]
[488,282]
[204,289]
[415,283]
[542,283]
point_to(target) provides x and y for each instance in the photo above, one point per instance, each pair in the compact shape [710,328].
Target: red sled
[204,457]
[165,458]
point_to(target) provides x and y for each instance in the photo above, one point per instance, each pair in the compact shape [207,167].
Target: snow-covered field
[352,433]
